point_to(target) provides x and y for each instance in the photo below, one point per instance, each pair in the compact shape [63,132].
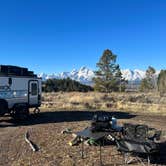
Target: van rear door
[33,93]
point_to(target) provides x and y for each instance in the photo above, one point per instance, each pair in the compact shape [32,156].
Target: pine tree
[162,82]
[108,77]
[149,83]
[150,72]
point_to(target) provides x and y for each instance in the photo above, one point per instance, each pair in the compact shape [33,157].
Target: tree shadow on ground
[60,116]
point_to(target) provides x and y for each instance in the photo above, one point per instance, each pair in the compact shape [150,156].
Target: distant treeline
[65,85]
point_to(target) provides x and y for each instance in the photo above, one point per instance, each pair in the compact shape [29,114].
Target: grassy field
[135,102]
[75,110]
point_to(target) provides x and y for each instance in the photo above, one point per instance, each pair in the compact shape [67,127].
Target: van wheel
[3,107]
[36,111]
[20,112]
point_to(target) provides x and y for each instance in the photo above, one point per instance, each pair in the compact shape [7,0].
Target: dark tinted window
[10,81]
[34,89]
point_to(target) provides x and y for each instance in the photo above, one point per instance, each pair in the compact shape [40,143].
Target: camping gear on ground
[102,127]
[96,138]
[102,121]
[114,125]
[66,131]
[75,141]
[135,141]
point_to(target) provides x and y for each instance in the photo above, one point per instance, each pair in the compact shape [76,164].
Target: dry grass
[135,102]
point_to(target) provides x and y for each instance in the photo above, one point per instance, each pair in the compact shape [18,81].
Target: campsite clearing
[46,132]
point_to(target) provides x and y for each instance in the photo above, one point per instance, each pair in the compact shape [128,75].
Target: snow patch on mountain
[133,75]
[85,75]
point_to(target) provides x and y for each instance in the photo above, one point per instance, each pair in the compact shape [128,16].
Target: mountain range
[85,75]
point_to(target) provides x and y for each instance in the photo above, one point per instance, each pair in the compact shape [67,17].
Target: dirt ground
[54,150]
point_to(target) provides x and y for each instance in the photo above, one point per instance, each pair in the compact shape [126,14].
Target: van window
[10,81]
[33,89]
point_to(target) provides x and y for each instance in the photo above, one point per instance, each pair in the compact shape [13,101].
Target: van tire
[3,107]
[20,112]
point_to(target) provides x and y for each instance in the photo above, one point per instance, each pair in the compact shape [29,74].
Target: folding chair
[136,143]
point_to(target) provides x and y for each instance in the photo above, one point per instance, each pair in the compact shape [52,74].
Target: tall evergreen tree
[162,82]
[108,77]
[150,82]
[150,72]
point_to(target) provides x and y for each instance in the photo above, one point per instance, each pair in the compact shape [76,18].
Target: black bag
[101,122]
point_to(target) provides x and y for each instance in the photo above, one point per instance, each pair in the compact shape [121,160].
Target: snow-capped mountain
[85,75]
[133,75]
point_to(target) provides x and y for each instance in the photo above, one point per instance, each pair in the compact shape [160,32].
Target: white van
[20,90]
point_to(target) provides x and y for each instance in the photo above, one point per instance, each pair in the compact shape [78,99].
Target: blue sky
[59,35]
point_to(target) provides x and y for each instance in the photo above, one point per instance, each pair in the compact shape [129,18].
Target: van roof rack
[9,70]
